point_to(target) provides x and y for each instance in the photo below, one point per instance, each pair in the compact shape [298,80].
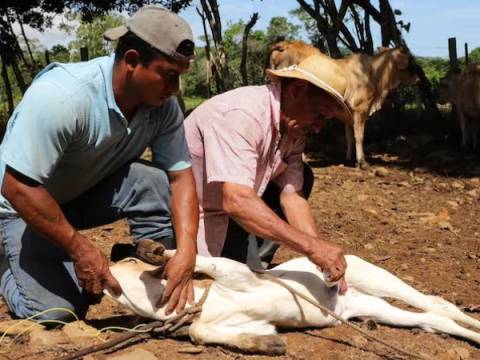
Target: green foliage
[59,53]
[90,34]
[434,68]
[279,26]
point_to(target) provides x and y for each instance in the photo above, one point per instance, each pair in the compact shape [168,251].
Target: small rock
[362,197]
[423,260]
[135,355]
[191,350]
[381,172]
[404,267]
[369,246]
[410,279]
[371,325]
[404,184]
[457,185]
[359,341]
[472,256]
[473,193]
[452,204]
[459,353]
[78,331]
[47,338]
[15,327]
[445,225]
[371,211]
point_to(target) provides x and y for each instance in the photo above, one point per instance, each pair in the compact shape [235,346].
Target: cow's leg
[382,283]
[358,131]
[236,338]
[235,275]
[463,127]
[349,139]
[475,127]
[361,305]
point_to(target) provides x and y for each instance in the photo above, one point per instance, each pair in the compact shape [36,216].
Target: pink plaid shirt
[235,137]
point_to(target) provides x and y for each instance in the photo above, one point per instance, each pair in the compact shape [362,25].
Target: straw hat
[321,71]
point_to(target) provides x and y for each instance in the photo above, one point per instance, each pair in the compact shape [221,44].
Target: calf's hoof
[363,164]
[151,252]
[262,344]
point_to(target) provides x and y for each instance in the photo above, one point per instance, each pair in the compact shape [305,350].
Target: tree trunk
[210,65]
[211,12]
[243,64]
[8,87]
[34,63]
[19,77]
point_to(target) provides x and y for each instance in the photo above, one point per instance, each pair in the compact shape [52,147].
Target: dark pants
[250,249]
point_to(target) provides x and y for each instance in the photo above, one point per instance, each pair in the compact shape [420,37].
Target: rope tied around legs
[267,276]
[144,331]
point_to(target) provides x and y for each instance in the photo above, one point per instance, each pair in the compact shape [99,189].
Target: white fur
[243,310]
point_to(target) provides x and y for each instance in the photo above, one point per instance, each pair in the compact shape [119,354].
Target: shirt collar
[275,92]
[106,65]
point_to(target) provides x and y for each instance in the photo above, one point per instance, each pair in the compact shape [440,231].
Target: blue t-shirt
[68,133]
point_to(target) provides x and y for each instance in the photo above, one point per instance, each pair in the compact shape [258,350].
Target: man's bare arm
[251,212]
[179,269]
[40,211]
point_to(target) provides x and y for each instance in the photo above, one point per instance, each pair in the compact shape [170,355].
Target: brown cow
[463,90]
[370,79]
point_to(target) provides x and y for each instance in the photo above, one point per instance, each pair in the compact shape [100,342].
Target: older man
[251,139]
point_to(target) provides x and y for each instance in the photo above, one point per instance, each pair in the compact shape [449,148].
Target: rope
[144,331]
[295,292]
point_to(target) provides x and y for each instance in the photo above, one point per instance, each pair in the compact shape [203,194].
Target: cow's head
[447,86]
[405,72]
[142,285]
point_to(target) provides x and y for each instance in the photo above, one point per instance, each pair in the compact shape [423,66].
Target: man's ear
[297,87]
[132,59]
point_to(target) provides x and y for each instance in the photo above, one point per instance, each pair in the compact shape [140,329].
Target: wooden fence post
[452,52]
[466,54]
[84,54]
[47,57]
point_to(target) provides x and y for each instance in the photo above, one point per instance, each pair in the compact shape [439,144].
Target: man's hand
[179,289]
[93,273]
[329,257]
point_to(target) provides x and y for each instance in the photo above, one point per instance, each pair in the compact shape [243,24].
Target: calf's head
[142,286]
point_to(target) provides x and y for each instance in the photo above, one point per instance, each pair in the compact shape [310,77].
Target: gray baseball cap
[160,28]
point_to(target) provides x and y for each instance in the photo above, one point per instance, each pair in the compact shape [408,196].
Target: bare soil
[415,212]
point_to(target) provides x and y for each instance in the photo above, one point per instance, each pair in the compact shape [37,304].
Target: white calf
[243,310]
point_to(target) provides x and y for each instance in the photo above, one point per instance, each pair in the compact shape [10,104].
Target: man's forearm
[298,212]
[39,210]
[184,210]
[252,214]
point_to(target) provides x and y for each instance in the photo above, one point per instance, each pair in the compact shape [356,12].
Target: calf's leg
[373,280]
[236,338]
[357,304]
[349,139]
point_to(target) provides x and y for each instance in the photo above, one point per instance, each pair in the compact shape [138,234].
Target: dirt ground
[415,213]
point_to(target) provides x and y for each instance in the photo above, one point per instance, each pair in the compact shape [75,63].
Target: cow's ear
[401,58]
[382,49]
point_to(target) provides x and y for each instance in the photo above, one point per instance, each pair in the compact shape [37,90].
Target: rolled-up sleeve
[231,148]
[291,180]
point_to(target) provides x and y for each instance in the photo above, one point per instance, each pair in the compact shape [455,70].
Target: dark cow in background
[370,79]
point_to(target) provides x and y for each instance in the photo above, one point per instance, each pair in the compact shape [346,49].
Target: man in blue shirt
[69,161]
